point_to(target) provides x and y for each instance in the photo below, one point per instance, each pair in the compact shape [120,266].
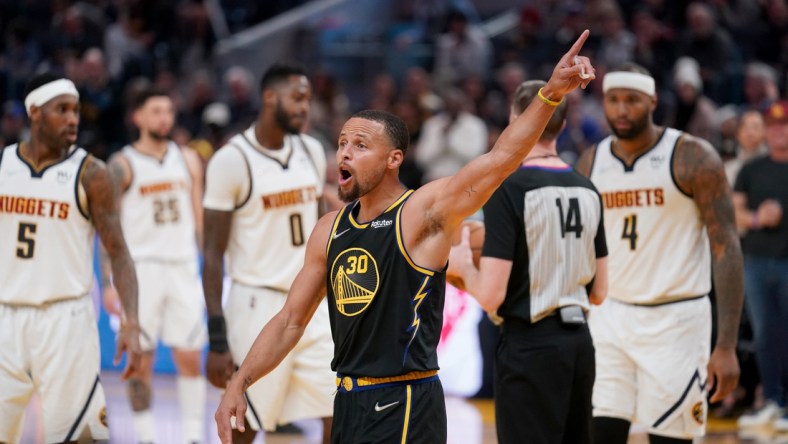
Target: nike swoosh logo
[336,235]
[380,408]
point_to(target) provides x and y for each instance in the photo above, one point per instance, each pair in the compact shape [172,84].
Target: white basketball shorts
[303,385]
[171,305]
[54,351]
[651,364]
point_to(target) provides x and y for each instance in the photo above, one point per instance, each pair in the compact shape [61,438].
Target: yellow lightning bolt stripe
[418,299]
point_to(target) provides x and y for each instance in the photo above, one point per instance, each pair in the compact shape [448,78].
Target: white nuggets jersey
[156,214]
[47,249]
[659,250]
[270,228]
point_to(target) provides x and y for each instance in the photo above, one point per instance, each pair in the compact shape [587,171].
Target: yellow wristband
[548,101]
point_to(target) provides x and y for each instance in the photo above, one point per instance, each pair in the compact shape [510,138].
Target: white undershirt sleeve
[226,180]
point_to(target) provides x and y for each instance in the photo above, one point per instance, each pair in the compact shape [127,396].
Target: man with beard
[261,203]
[161,217]
[670,226]
[54,198]
[381,261]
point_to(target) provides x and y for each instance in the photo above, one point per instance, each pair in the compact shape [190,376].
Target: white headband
[629,80]
[49,91]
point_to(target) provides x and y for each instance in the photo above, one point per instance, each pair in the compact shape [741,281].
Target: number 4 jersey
[659,251]
[46,245]
[156,210]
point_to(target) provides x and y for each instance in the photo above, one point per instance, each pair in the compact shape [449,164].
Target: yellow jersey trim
[399,200]
[402,249]
[362,381]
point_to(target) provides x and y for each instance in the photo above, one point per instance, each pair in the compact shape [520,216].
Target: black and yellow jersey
[386,312]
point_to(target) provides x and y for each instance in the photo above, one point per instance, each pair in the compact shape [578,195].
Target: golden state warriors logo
[354,280]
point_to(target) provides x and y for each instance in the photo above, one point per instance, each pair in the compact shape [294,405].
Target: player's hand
[572,70]
[723,373]
[460,255]
[233,405]
[111,300]
[219,368]
[129,343]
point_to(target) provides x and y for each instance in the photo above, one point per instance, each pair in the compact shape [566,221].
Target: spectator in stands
[714,49]
[450,139]
[694,112]
[760,86]
[750,143]
[462,51]
[12,123]
[239,84]
[617,44]
[761,200]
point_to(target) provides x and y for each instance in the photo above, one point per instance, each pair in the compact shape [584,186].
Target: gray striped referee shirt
[548,222]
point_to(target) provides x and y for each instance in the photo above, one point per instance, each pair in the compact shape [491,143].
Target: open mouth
[344,175]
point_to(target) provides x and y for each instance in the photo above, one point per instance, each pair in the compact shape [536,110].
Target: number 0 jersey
[386,312]
[156,214]
[659,250]
[277,209]
[46,246]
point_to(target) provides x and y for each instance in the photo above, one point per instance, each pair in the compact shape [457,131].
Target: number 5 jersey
[46,246]
[659,250]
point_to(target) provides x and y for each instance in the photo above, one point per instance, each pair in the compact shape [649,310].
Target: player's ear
[269,96]
[396,156]
[135,117]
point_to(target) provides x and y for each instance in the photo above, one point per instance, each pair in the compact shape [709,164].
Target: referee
[544,249]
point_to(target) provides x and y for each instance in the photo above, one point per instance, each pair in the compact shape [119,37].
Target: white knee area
[143,426]
[191,396]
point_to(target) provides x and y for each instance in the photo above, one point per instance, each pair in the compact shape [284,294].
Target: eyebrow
[359,135]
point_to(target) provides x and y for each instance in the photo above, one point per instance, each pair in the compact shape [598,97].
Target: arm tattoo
[470,190]
[586,161]
[699,172]
[103,203]
[247,382]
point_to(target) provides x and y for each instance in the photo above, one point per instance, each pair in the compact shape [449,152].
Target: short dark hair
[279,72]
[139,100]
[631,67]
[396,130]
[526,93]
[41,79]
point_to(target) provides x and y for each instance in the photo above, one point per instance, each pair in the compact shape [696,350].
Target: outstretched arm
[440,206]
[700,173]
[102,195]
[282,332]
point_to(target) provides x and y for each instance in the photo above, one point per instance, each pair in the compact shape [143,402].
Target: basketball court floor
[470,421]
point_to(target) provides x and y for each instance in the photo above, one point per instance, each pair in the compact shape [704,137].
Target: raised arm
[102,194]
[457,197]
[282,332]
[699,173]
[435,210]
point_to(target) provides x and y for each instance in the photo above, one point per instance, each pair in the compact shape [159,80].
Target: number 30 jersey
[46,240]
[156,213]
[657,242]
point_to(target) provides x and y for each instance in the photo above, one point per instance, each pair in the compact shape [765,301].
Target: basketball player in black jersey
[382,259]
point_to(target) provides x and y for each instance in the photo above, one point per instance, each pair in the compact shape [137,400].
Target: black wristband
[217,335]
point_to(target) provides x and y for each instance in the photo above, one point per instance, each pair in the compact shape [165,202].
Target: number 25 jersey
[157,214]
[657,242]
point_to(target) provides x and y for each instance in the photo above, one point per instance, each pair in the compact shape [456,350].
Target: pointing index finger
[578,45]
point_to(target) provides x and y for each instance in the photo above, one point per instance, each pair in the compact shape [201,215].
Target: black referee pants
[544,378]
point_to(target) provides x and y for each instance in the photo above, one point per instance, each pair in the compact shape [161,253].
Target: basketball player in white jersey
[161,216]
[670,226]
[261,203]
[53,195]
